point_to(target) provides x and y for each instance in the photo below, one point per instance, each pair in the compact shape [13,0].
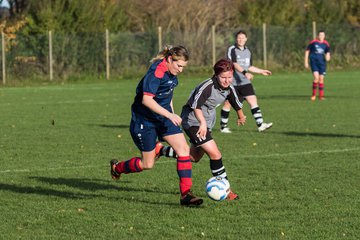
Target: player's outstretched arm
[264,72]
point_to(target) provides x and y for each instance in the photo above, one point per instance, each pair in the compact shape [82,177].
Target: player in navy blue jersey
[241,56]
[153,118]
[199,117]
[318,51]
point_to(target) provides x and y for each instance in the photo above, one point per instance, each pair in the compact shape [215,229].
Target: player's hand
[249,76]
[201,133]
[266,73]
[175,119]
[241,120]
[306,65]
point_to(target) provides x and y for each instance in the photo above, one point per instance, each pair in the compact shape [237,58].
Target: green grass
[299,180]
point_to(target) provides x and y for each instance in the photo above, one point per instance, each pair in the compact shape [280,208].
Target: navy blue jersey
[318,50]
[159,83]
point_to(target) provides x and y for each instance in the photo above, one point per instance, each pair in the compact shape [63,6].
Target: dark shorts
[191,133]
[145,133]
[244,90]
[318,67]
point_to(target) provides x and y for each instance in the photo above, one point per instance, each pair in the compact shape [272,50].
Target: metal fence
[56,56]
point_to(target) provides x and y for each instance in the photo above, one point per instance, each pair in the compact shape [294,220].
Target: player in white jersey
[240,55]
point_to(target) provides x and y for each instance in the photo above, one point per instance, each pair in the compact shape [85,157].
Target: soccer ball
[217,188]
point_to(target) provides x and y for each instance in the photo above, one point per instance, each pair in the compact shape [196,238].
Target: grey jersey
[243,58]
[207,96]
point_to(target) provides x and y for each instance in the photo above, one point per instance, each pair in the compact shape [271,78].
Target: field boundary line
[173,160]
[301,153]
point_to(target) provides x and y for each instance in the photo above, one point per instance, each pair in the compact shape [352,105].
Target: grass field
[299,180]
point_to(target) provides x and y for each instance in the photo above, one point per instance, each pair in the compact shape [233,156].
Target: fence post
[314,29]
[107,53]
[3,57]
[264,45]
[213,45]
[160,38]
[50,56]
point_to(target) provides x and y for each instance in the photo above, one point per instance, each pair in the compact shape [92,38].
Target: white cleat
[225,130]
[264,126]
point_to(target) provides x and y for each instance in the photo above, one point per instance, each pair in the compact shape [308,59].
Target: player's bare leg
[216,165]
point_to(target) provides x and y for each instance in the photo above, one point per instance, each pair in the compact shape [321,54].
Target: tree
[76,16]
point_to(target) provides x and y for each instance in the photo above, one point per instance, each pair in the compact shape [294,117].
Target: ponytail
[176,53]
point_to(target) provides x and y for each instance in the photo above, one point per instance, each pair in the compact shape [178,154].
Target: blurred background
[67,40]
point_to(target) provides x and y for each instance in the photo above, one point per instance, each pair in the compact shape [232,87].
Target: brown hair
[240,32]
[176,53]
[223,65]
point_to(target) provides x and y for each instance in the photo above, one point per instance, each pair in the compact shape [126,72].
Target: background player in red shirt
[318,51]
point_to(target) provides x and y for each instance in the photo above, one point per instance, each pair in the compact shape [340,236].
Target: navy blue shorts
[145,133]
[318,67]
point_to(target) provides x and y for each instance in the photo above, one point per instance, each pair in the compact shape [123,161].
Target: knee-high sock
[224,118]
[184,169]
[256,112]
[217,168]
[321,89]
[314,88]
[130,166]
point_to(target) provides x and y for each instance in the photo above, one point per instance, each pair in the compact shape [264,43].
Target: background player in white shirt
[240,55]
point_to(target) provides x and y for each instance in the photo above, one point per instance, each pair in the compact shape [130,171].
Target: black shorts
[191,133]
[244,90]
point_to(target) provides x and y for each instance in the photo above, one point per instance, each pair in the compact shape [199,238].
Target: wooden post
[50,57]
[160,38]
[107,54]
[314,29]
[3,57]
[264,45]
[213,45]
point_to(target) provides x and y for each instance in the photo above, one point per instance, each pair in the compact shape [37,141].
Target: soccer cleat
[158,148]
[264,126]
[190,200]
[313,98]
[225,130]
[232,196]
[114,175]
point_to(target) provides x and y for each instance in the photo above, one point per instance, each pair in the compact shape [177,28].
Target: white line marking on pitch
[301,153]
[173,160]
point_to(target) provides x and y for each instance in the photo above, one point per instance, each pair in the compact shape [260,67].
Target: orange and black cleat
[190,200]
[114,174]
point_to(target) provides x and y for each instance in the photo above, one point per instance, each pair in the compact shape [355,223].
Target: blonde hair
[176,53]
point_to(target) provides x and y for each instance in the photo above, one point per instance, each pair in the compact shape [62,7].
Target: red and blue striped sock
[130,166]
[321,89]
[314,88]
[184,169]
